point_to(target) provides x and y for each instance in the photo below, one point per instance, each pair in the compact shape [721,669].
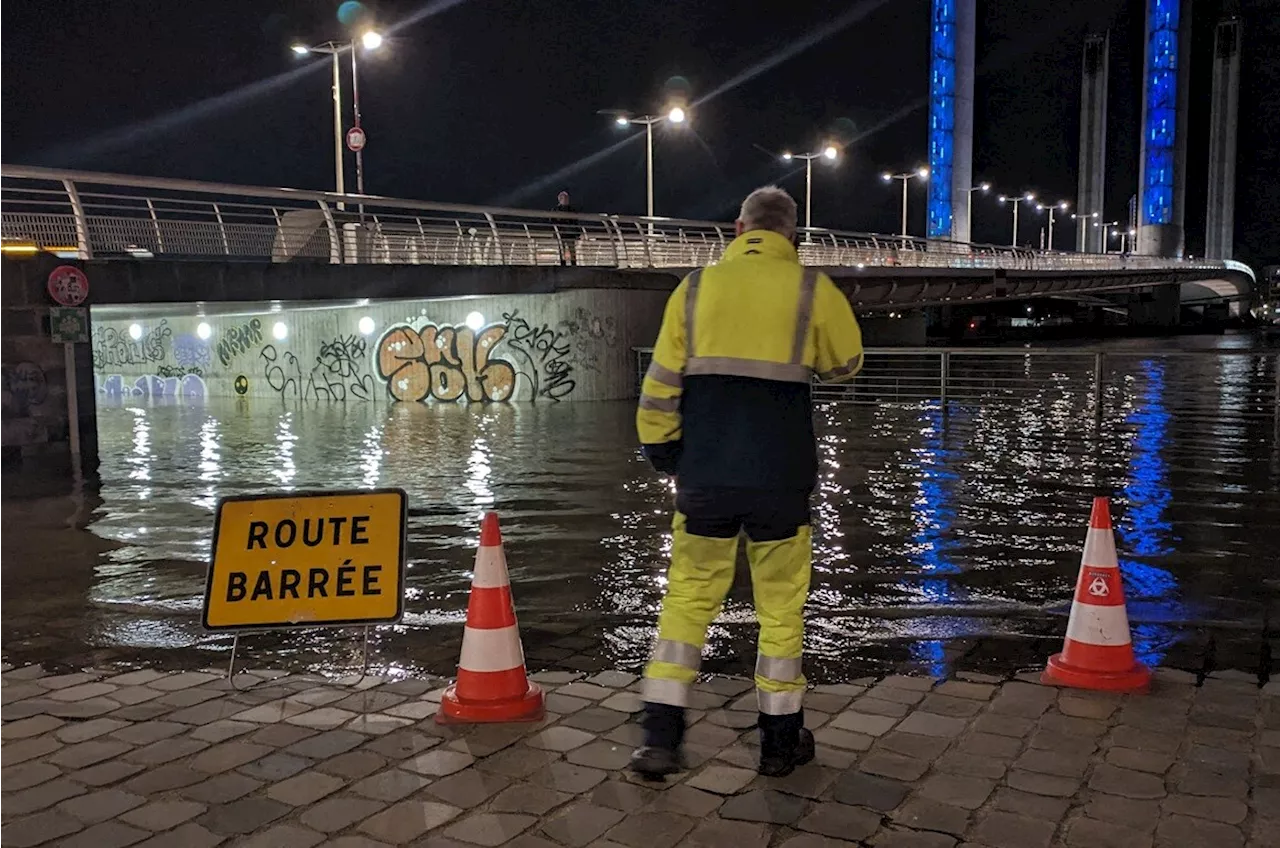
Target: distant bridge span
[96,216]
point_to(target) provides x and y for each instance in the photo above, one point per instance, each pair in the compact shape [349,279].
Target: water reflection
[928,529]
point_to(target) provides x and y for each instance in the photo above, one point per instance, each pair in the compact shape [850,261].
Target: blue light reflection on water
[1145,533]
[933,515]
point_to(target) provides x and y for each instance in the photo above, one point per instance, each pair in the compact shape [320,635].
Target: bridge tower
[951,41]
[1090,199]
[1162,166]
[1220,224]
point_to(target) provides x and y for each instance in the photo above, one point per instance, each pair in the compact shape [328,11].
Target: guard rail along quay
[99,216]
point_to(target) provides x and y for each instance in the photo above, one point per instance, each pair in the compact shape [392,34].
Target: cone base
[529,707]
[1058,673]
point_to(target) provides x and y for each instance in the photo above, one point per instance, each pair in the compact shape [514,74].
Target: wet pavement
[100,759]
[942,542]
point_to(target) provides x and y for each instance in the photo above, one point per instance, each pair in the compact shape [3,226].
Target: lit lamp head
[922,172]
[830,152]
[371,40]
[986,187]
[300,49]
[786,157]
[676,115]
[622,120]
[886,176]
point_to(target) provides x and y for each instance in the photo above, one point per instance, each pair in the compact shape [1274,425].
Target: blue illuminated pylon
[950,118]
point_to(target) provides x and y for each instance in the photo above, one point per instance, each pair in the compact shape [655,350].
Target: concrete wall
[564,346]
[36,424]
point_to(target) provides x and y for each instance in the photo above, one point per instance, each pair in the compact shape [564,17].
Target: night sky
[494,101]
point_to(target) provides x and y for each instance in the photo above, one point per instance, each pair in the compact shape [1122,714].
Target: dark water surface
[939,540]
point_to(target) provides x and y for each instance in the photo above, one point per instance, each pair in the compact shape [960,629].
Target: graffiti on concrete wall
[237,340]
[339,372]
[192,352]
[445,364]
[548,353]
[115,348]
[24,387]
[155,386]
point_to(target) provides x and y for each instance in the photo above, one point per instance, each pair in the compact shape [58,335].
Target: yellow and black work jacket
[726,400]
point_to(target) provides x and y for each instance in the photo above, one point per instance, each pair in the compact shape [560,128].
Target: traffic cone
[492,685]
[1097,653]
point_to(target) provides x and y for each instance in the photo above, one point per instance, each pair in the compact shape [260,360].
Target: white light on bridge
[135,331]
[280,331]
[475,321]
[366,325]
[203,330]
[371,40]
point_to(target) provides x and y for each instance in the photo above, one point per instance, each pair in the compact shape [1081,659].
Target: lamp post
[371,41]
[1125,235]
[1049,208]
[921,172]
[1106,227]
[1029,198]
[1082,218]
[829,152]
[984,188]
[675,115]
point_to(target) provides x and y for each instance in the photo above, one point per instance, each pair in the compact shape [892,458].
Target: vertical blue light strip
[1160,131]
[942,117]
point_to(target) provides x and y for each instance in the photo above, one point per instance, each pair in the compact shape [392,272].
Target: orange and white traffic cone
[492,685]
[1098,653]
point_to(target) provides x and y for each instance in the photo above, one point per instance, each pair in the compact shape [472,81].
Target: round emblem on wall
[242,384]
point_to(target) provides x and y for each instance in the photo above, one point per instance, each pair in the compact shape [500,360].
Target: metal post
[968,214]
[1098,362]
[155,223]
[231,666]
[1051,228]
[808,194]
[1014,243]
[337,128]
[82,223]
[904,208]
[73,404]
[648,132]
[222,228]
[355,108]
[944,377]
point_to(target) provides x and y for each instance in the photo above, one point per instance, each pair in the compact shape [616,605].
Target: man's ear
[737,227]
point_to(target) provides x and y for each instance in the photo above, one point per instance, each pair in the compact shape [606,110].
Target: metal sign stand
[235,646]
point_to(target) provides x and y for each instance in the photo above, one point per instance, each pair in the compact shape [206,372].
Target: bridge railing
[104,216]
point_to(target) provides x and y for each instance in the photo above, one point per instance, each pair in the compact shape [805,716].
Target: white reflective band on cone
[1099,549]
[780,703]
[673,693]
[678,653]
[782,669]
[1093,625]
[491,650]
[491,569]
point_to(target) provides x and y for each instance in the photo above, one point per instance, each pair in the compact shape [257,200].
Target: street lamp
[371,41]
[675,115]
[1106,227]
[982,187]
[1049,208]
[1082,218]
[1029,198]
[1124,239]
[830,152]
[921,172]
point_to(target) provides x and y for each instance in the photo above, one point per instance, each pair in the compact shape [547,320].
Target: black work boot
[784,744]
[663,735]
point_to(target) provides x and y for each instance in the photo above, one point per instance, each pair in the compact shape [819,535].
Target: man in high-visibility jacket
[725,408]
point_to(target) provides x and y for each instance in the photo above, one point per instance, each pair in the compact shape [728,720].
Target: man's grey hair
[769,208]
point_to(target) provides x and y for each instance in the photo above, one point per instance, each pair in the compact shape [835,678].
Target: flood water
[940,541]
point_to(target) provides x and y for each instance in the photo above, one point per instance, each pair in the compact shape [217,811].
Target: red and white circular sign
[68,285]
[355,139]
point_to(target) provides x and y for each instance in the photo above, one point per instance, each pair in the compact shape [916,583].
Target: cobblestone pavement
[104,760]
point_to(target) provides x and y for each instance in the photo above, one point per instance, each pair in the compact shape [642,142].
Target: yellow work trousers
[698,580]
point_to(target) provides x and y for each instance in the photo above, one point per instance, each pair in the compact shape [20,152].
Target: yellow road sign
[307,559]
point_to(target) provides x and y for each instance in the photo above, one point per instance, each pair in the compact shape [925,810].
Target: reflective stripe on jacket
[726,401]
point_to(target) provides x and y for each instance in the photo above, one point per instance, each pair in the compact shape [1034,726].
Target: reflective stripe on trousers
[700,575]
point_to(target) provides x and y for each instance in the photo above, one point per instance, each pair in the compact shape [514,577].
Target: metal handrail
[112,215]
